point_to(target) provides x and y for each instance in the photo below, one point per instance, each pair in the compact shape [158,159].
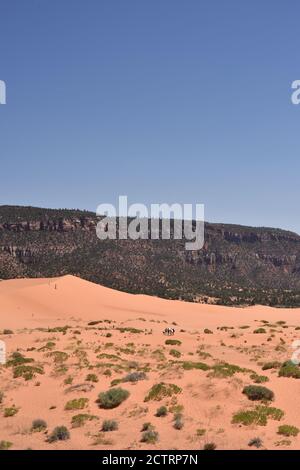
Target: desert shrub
[5,445]
[1,397]
[173,342]
[60,433]
[115,382]
[91,378]
[150,437]
[178,421]
[271,365]
[257,392]
[84,387]
[202,354]
[6,331]
[210,446]
[17,359]
[289,369]
[258,416]
[286,430]
[162,390]
[80,419]
[112,398]
[147,426]
[9,412]
[207,331]
[161,411]
[47,346]
[255,442]
[283,442]
[224,369]
[158,355]
[259,331]
[27,372]
[175,353]
[58,356]
[109,425]
[102,439]
[109,356]
[189,365]
[59,329]
[134,377]
[200,432]
[259,379]
[76,404]
[38,425]
[130,330]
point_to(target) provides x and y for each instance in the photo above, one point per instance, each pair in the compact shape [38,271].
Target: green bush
[17,359]
[91,378]
[178,421]
[27,372]
[207,331]
[76,404]
[9,412]
[68,380]
[162,390]
[58,356]
[289,369]
[80,419]
[60,433]
[259,379]
[150,437]
[175,353]
[259,331]
[258,416]
[147,426]
[189,365]
[112,398]
[210,446]
[257,392]
[134,377]
[286,430]
[109,425]
[161,411]
[271,365]
[38,425]
[173,342]
[224,369]
[5,445]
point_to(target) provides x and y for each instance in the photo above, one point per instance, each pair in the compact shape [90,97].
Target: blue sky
[161,100]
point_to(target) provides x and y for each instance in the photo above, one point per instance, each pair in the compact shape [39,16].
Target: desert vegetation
[113,380]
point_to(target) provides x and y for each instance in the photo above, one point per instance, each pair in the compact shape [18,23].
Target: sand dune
[26,301]
[72,328]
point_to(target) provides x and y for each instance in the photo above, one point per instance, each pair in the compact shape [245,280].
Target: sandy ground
[125,336]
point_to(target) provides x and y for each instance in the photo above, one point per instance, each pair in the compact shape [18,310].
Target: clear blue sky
[163,100]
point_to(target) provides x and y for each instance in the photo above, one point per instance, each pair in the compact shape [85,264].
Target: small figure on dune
[169,331]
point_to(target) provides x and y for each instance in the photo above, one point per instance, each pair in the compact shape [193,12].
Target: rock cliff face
[236,265]
[48,225]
